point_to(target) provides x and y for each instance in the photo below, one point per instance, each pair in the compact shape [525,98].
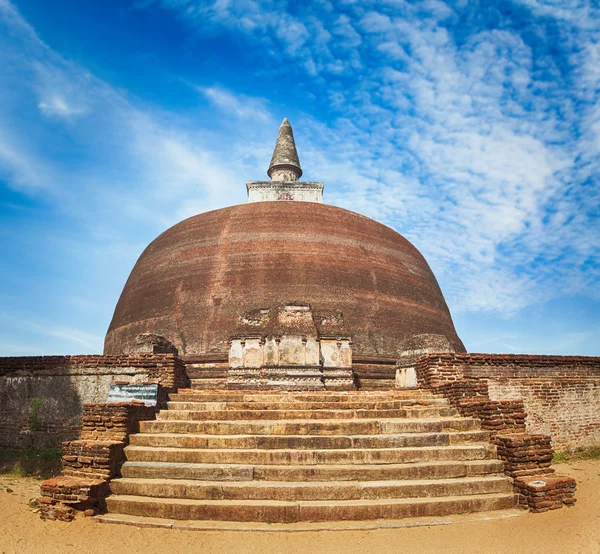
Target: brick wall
[42,397]
[561,394]
[114,421]
[90,463]
[105,432]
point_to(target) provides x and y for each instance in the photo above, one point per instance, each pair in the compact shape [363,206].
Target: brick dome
[192,283]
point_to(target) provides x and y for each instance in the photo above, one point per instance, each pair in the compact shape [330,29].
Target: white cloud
[238,105]
[59,106]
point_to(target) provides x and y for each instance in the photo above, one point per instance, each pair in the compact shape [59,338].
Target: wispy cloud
[57,105]
[237,105]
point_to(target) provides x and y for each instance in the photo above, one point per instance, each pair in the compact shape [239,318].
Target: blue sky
[470,127]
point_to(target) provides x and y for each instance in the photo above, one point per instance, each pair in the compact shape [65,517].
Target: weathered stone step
[297,405]
[303,442]
[272,414]
[313,490]
[209,382]
[374,384]
[278,396]
[312,427]
[281,511]
[306,526]
[367,472]
[348,456]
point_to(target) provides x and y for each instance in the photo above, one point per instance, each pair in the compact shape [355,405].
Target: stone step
[297,405]
[272,414]
[281,511]
[306,396]
[299,473]
[309,457]
[212,383]
[314,490]
[303,442]
[375,384]
[311,427]
[307,526]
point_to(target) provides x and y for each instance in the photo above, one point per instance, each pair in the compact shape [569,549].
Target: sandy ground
[574,529]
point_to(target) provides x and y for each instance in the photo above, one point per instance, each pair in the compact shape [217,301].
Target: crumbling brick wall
[91,462]
[42,397]
[560,394]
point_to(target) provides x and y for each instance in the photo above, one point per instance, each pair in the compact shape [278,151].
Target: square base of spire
[273,191]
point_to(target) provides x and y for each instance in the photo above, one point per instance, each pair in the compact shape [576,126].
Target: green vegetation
[34,413]
[30,463]
[591,453]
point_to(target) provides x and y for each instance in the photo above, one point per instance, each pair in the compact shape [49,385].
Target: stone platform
[284,457]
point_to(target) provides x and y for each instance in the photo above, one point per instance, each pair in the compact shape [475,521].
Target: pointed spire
[285,165]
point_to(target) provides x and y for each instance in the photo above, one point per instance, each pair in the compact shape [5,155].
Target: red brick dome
[194,281]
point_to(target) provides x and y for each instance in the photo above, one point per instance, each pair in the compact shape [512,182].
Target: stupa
[223,282]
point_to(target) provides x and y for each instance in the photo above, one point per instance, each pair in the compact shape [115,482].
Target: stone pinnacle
[285,165]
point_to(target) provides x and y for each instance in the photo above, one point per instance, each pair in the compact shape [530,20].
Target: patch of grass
[591,453]
[34,413]
[561,457]
[30,463]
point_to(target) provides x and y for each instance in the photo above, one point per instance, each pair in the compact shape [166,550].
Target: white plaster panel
[253,353]
[271,352]
[345,353]
[330,353]
[291,351]
[236,354]
[312,352]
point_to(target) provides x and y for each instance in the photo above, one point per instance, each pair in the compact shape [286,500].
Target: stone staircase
[283,457]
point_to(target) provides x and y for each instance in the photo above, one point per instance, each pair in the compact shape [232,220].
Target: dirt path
[568,530]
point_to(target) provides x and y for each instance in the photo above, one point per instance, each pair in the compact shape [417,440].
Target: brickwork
[561,394]
[90,463]
[114,421]
[436,369]
[550,492]
[470,397]
[525,454]
[505,416]
[92,459]
[527,457]
[464,389]
[62,497]
[374,373]
[42,397]
[104,434]
[160,367]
